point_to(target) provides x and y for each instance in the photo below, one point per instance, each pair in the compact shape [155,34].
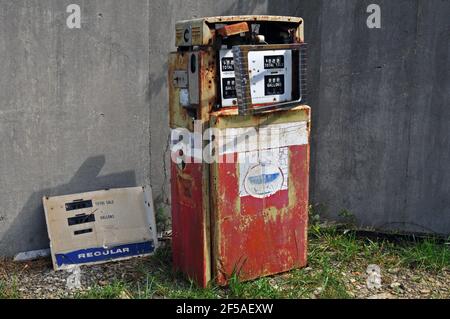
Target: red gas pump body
[230,218]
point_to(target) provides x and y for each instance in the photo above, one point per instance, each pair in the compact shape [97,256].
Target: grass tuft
[116,290]
[9,291]
[428,255]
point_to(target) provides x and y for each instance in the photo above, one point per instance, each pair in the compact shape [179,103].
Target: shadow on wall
[28,231]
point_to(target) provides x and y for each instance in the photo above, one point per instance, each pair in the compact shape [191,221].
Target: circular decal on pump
[263,180]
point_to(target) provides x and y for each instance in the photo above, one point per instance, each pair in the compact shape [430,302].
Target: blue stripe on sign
[91,255]
[264,178]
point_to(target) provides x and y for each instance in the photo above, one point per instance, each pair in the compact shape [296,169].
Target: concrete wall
[87,109]
[74,112]
[381,115]
[84,109]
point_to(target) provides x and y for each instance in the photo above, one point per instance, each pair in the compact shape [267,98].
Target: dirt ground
[38,280]
[130,279]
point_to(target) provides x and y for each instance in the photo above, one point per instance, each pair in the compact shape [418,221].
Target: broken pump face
[261,67]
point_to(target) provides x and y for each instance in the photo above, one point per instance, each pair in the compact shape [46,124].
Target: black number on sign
[78,220]
[82,232]
[78,205]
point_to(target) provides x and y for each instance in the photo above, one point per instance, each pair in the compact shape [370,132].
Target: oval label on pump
[263,180]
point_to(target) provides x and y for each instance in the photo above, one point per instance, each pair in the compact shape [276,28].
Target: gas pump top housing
[203,31]
[251,64]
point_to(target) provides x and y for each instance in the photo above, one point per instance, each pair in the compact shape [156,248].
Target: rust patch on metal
[260,237]
[185,185]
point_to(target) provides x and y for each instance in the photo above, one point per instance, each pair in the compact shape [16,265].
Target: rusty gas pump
[240,147]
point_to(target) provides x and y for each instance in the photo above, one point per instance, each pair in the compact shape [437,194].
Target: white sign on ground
[101,226]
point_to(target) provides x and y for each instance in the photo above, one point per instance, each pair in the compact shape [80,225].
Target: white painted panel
[236,140]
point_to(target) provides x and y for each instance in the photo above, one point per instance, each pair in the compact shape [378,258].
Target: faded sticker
[263,173]
[247,139]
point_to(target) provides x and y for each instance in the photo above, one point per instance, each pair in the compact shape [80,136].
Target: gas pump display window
[270,76]
[274,62]
[227,64]
[274,85]
[228,78]
[229,88]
